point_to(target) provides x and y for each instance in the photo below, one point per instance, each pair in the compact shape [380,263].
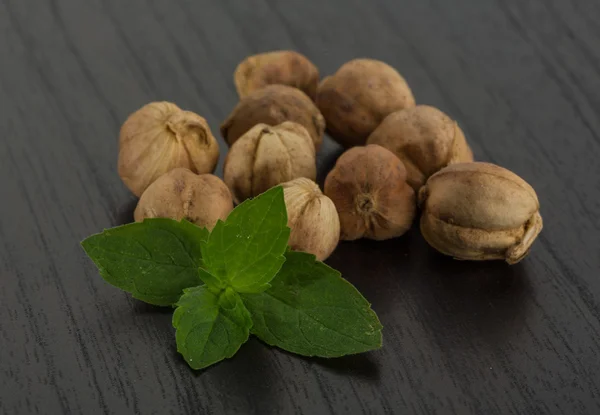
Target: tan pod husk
[267,156]
[282,67]
[181,194]
[425,139]
[479,211]
[356,99]
[312,218]
[368,187]
[160,137]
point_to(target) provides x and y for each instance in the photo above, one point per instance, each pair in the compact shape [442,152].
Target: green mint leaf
[246,251]
[311,310]
[154,260]
[210,326]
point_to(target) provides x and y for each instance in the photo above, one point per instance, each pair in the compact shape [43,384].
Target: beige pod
[280,67]
[312,218]
[160,137]
[368,187]
[425,139]
[358,97]
[267,156]
[479,211]
[180,194]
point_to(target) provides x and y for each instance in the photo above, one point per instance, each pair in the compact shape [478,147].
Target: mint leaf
[154,260]
[311,310]
[246,250]
[210,327]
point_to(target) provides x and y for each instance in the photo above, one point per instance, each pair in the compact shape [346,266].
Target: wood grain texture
[521,77]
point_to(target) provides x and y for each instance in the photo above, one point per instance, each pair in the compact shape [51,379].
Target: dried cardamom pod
[369,189]
[425,139]
[266,156]
[280,67]
[160,137]
[312,217]
[479,211]
[180,194]
[358,97]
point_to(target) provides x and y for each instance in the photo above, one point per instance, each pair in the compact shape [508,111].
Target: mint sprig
[236,280]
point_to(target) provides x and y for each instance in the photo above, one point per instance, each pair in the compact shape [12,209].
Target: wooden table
[521,77]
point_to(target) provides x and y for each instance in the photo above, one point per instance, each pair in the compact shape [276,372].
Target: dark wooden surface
[521,77]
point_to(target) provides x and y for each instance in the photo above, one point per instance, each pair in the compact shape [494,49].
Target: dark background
[521,77]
